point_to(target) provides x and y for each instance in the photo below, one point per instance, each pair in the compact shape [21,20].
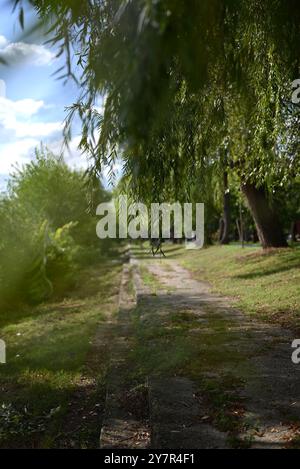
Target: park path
[206,375]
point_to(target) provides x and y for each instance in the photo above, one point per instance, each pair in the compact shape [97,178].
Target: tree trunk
[269,230]
[293,231]
[225,220]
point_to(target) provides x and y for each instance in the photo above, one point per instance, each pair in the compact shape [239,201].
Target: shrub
[46,229]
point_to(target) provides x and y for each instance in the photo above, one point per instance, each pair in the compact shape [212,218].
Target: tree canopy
[189,87]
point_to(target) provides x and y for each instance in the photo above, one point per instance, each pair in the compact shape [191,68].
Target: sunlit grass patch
[149,279]
[263,283]
[48,349]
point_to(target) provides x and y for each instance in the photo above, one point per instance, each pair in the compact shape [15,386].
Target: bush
[46,229]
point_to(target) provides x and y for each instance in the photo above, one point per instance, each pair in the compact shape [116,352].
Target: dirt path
[215,378]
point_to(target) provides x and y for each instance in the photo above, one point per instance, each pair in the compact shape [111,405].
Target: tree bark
[293,231]
[225,220]
[268,227]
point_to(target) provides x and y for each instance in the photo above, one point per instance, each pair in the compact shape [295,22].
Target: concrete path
[125,423]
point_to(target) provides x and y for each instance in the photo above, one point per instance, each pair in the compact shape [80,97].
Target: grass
[52,386]
[266,284]
[149,279]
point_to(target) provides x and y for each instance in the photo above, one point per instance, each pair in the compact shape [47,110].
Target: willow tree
[234,59]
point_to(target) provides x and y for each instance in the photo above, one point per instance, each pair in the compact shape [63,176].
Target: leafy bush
[62,257]
[46,229]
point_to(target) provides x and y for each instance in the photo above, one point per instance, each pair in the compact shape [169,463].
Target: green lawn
[52,386]
[263,283]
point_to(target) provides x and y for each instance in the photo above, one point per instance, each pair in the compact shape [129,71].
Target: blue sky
[32,102]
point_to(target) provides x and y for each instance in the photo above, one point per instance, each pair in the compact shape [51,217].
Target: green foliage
[46,229]
[183,80]
[48,189]
[184,83]
[62,257]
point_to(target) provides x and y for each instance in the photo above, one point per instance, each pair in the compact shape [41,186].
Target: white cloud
[16,116]
[73,156]
[22,151]
[17,152]
[2,89]
[23,108]
[3,41]
[37,129]
[22,129]
[17,52]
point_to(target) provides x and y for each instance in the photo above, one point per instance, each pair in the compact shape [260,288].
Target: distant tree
[48,189]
